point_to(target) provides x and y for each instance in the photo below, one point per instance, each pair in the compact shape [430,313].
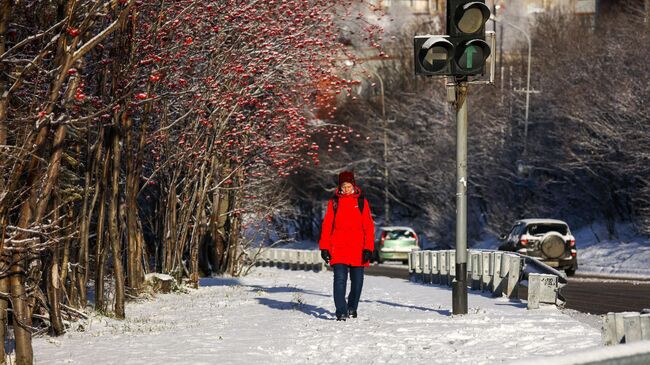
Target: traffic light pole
[459,285]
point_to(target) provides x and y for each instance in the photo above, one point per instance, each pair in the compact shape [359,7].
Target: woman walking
[346,242]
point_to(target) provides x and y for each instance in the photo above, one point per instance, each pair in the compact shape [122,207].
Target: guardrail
[637,353]
[502,273]
[625,327]
[288,259]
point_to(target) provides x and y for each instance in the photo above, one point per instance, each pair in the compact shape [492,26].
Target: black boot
[341,317]
[352,313]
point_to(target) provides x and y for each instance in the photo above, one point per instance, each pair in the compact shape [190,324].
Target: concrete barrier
[542,288]
[637,353]
[625,327]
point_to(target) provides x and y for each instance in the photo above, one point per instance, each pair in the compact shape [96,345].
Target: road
[587,295]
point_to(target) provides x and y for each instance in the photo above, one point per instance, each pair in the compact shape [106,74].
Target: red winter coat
[349,232]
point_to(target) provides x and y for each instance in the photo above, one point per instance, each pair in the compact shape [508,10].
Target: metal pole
[527,96]
[385,127]
[459,285]
[530,47]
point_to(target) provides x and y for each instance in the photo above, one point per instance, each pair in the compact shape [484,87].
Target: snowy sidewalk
[286,317]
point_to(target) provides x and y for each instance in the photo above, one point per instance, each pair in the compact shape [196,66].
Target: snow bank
[286,317]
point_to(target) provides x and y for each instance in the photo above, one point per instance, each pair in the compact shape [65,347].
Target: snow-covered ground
[274,316]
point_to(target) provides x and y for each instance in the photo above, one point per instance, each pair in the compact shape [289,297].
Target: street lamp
[385,132]
[494,19]
[385,127]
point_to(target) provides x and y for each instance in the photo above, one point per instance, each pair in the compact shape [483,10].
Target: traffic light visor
[435,53]
[471,17]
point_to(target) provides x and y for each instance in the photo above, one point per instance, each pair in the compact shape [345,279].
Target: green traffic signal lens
[471,58]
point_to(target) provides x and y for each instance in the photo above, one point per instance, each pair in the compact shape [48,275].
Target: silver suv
[549,240]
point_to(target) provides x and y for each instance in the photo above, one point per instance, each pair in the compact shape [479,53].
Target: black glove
[325,254]
[366,256]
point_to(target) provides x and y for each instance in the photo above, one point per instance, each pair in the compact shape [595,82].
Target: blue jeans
[340,283]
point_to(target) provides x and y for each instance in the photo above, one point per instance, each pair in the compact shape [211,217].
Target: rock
[160,283]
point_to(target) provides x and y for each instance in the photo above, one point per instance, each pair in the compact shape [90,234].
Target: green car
[395,243]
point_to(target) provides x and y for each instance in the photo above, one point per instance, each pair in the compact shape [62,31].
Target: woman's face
[347,188]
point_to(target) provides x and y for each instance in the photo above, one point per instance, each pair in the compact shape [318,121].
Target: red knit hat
[346,176]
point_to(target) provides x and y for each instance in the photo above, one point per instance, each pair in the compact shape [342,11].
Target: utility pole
[459,54]
[459,285]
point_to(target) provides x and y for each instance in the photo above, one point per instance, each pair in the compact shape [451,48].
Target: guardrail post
[444,270]
[476,270]
[286,259]
[297,259]
[435,267]
[452,267]
[497,277]
[305,260]
[469,268]
[632,327]
[411,257]
[542,288]
[418,266]
[609,329]
[320,264]
[426,266]
[485,271]
[280,258]
[620,326]
[423,273]
[645,326]
[266,258]
[514,270]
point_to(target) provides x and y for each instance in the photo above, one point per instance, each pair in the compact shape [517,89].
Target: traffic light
[432,55]
[466,29]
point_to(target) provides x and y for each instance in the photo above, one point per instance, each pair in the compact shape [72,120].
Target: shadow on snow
[308,309]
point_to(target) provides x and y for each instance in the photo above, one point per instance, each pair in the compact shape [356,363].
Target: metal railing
[501,273]
[288,259]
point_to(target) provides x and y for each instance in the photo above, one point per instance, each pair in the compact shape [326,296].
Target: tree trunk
[5,10]
[235,226]
[113,230]
[4,304]
[198,230]
[22,333]
[54,293]
[100,249]
[134,234]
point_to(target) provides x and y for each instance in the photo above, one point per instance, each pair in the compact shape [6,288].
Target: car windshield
[398,235]
[539,229]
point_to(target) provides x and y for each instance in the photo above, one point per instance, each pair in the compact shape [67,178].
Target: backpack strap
[360,202]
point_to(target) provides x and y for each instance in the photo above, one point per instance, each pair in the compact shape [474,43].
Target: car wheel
[570,271]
